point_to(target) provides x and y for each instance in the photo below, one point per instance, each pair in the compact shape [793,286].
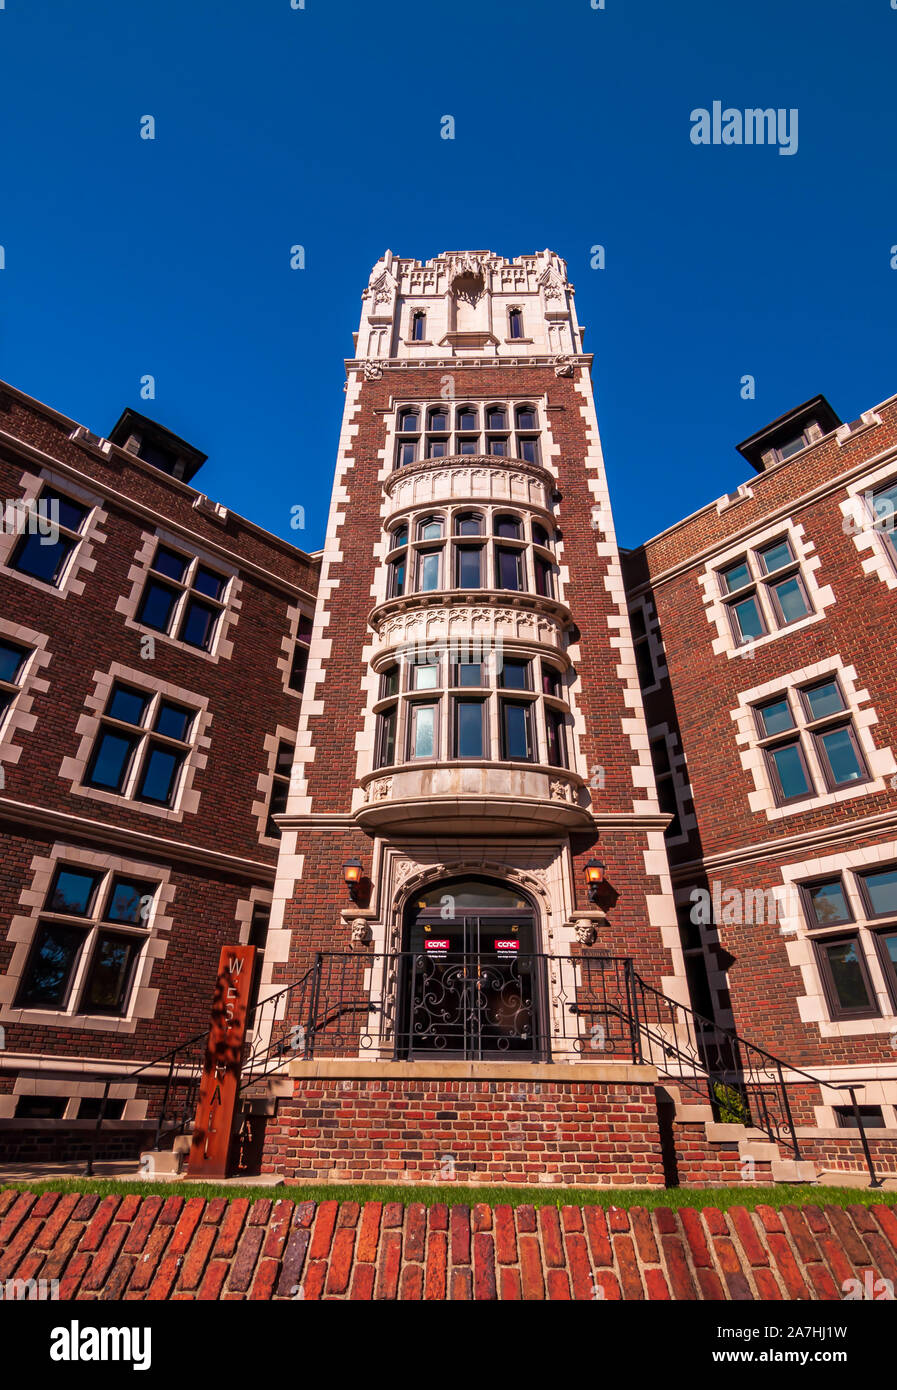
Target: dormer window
[793,446]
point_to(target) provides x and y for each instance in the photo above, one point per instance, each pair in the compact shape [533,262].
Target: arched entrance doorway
[472,978]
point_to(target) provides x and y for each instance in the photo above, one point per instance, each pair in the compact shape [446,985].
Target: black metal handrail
[181,1071]
[526,1005]
[454,1003]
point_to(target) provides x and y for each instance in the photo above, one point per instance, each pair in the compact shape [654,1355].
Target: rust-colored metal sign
[221,1070]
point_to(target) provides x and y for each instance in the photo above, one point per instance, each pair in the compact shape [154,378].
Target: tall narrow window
[515,323]
[508,569]
[516,731]
[422,731]
[556,737]
[386,737]
[280,787]
[469,728]
[418,326]
[428,564]
[469,566]
[13,660]
[299,663]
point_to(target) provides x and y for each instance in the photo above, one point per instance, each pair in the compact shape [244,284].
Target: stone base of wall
[474,1123]
[53,1141]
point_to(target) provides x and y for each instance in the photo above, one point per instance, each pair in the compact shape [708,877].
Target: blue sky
[321,126]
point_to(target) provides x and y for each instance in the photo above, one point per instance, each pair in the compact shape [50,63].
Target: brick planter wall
[475,1123]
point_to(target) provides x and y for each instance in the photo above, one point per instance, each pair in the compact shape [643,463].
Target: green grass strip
[782,1195]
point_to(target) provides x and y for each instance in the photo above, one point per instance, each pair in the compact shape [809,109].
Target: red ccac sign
[510,945]
[437,944]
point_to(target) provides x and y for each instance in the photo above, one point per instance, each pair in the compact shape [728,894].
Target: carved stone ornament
[372,371]
[378,791]
[560,791]
[361,931]
[563,366]
[585,931]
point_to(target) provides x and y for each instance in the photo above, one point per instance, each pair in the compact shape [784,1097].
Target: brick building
[152,647]
[547,822]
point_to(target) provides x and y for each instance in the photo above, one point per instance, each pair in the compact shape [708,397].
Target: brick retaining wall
[151,1248]
[425,1128]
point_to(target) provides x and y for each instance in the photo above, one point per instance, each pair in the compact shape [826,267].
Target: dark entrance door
[472,981]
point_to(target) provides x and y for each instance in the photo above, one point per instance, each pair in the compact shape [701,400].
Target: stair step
[794,1170]
[764,1151]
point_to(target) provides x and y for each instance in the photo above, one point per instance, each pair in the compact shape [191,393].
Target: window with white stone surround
[806,740]
[762,588]
[870,517]
[142,741]
[273,784]
[182,596]
[671,777]
[649,653]
[838,914]
[23,657]
[91,928]
[50,535]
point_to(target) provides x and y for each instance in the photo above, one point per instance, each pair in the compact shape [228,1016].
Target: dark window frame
[837,1012]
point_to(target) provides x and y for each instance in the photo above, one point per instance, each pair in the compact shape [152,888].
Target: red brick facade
[613,691]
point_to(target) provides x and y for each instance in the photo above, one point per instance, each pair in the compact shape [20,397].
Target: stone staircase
[744,1153]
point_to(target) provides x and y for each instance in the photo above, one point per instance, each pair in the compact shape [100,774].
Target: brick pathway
[156,1248]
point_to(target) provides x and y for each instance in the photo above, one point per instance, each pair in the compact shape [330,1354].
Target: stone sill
[348,1068]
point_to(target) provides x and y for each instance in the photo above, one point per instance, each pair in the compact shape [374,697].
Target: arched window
[468,524]
[408,437]
[525,417]
[430,529]
[418,326]
[437,420]
[467,418]
[508,527]
[496,418]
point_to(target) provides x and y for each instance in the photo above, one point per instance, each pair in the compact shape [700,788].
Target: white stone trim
[74,769]
[878,559]
[143,997]
[333,556]
[821,597]
[880,761]
[620,633]
[18,719]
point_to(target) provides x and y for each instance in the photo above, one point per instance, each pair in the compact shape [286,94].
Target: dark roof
[132,422]
[787,427]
